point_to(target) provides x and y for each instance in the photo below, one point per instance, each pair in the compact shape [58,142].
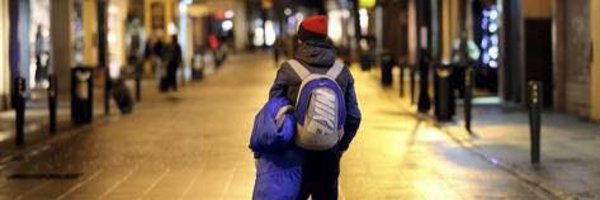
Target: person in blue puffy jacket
[278,161]
[320,169]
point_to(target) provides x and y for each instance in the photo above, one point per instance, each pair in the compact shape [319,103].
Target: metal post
[52,94]
[102,52]
[401,65]
[357,31]
[413,73]
[424,101]
[535,118]
[138,81]
[468,101]
[386,70]
[20,111]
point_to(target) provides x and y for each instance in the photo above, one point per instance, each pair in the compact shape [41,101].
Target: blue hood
[278,161]
[270,134]
[317,54]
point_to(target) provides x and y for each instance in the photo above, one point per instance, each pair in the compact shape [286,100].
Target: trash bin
[82,81]
[445,106]
[386,70]
[197,67]
[366,61]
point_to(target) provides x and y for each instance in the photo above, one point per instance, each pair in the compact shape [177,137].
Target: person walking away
[41,57]
[315,57]
[214,44]
[173,63]
[154,51]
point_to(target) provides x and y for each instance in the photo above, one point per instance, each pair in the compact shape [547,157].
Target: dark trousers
[172,78]
[320,173]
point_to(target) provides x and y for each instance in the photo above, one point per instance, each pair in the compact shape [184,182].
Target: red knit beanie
[313,27]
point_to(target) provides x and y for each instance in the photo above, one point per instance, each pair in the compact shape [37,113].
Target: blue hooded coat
[278,161]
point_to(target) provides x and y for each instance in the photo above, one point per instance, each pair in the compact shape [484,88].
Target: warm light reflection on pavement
[193,145]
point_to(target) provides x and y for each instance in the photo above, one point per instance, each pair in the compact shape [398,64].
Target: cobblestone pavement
[569,145]
[193,145]
[569,148]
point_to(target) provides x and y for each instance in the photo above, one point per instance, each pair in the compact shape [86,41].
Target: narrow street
[193,145]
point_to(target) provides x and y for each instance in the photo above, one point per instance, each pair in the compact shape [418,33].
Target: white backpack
[320,108]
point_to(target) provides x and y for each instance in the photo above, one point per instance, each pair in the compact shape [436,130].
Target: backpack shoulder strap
[299,68]
[280,114]
[336,69]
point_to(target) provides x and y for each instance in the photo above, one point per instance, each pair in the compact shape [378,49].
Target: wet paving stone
[193,145]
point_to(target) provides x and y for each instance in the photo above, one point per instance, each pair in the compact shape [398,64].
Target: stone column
[23,37]
[89,32]
[240,26]
[595,66]
[4,78]
[513,57]
[412,31]
[61,13]
[378,26]
[446,30]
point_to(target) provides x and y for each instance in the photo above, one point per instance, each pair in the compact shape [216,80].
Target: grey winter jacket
[318,57]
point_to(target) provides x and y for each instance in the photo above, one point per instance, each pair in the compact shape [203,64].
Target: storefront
[39,44]
[4,69]
[159,17]
[117,14]
[486,35]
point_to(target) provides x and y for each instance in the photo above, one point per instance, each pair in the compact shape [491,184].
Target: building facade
[551,41]
[4,66]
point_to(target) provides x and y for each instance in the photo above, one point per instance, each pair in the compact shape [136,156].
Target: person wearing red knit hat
[313,28]
[316,55]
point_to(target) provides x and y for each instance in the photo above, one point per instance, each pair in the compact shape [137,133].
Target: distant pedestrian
[154,52]
[41,56]
[322,90]
[174,61]
[214,44]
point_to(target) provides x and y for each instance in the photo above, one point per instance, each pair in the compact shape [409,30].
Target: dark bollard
[138,82]
[366,61]
[444,108]
[412,80]
[20,90]
[107,89]
[424,101]
[52,103]
[468,100]
[401,78]
[386,70]
[535,118]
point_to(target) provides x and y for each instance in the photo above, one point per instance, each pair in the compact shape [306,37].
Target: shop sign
[366,3]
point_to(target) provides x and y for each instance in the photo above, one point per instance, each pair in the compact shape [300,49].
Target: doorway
[538,59]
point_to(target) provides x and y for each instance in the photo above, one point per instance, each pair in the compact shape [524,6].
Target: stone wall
[575,66]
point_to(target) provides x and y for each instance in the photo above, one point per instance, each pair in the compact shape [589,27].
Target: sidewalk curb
[466,143]
[48,143]
[474,148]
[70,130]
